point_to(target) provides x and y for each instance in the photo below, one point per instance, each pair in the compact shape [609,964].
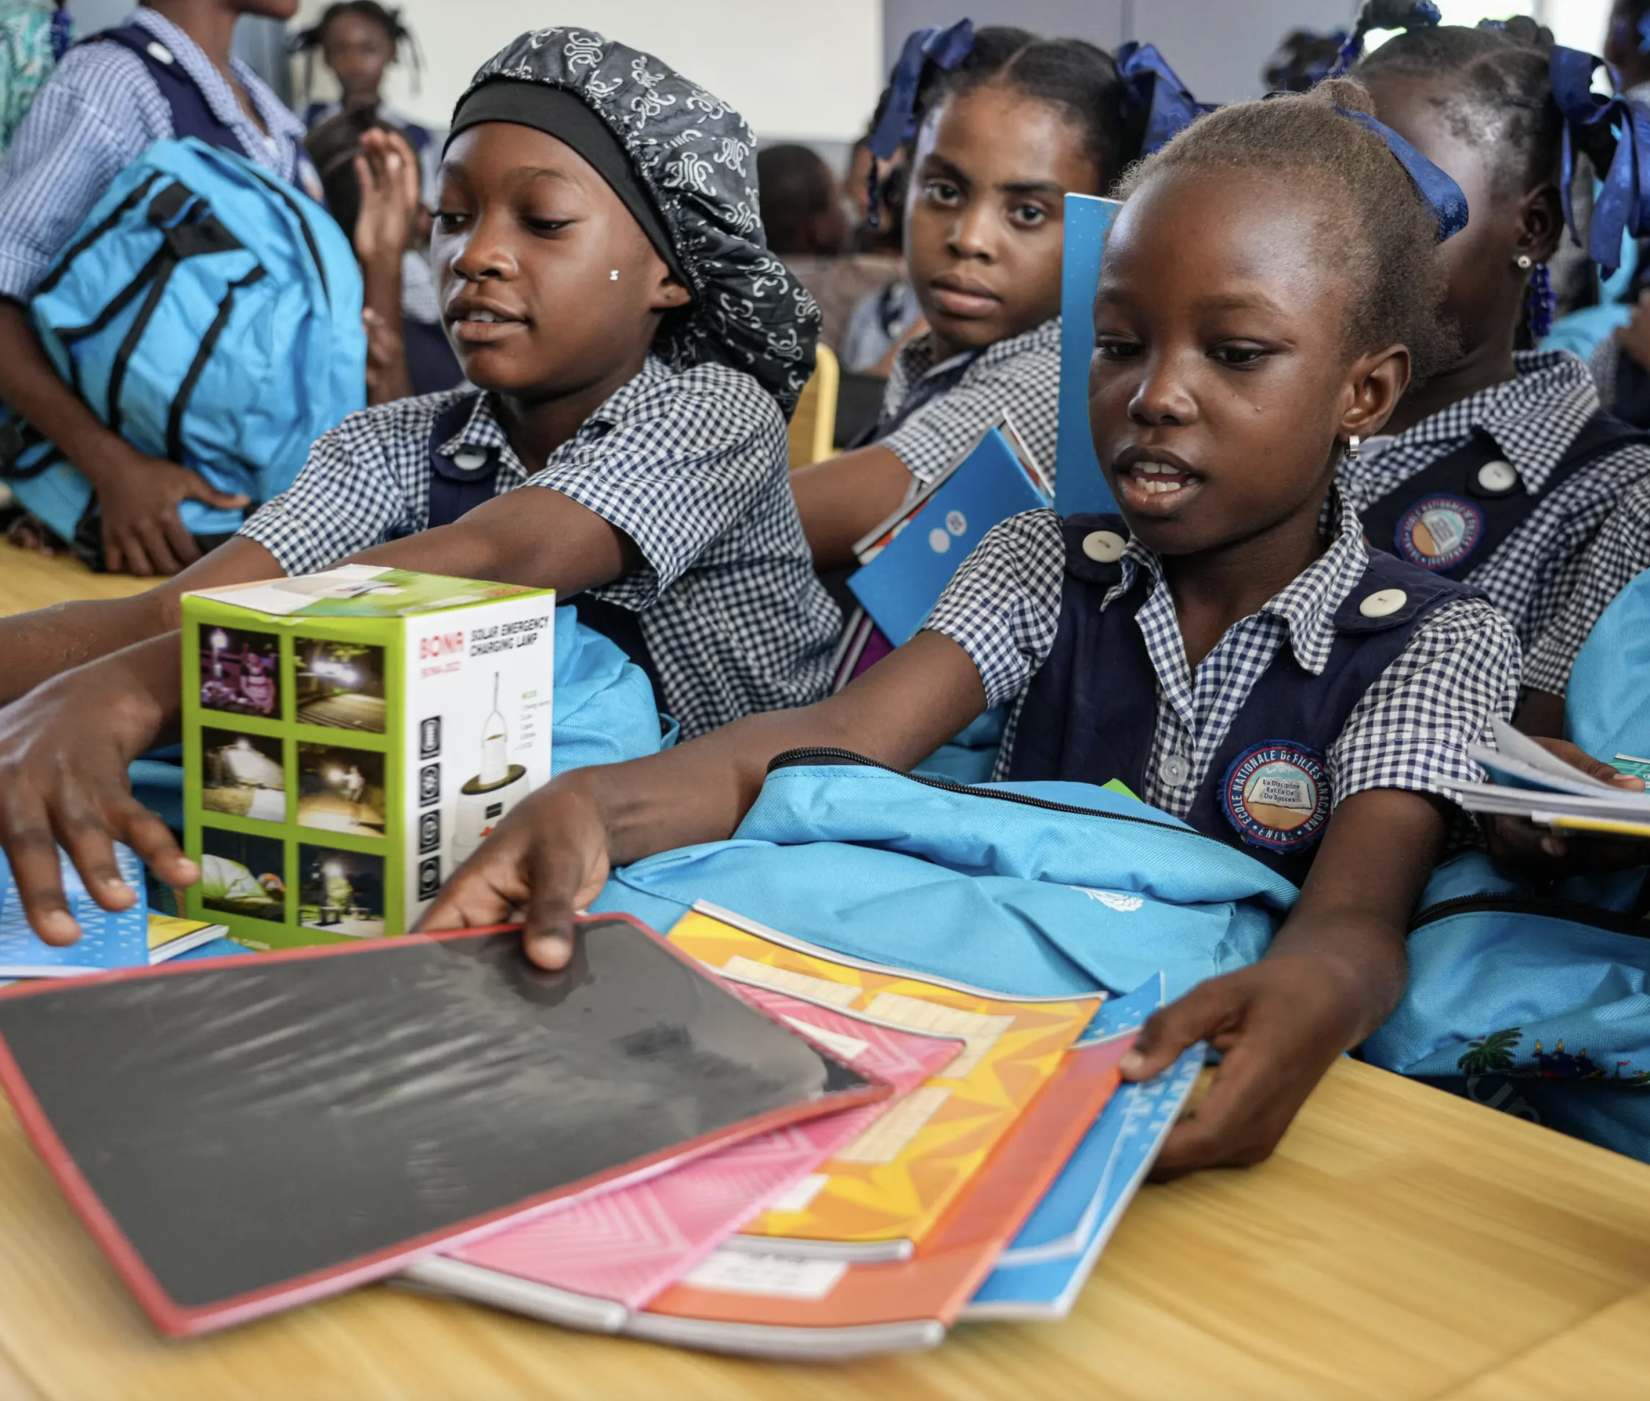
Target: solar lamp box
[350,737]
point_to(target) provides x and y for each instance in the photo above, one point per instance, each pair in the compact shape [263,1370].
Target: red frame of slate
[179,1320]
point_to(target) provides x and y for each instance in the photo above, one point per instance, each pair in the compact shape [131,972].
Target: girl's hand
[138,498]
[387,171]
[548,858]
[1548,855]
[64,749]
[1278,1024]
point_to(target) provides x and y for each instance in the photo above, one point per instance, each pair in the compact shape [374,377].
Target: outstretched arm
[1332,975]
[552,854]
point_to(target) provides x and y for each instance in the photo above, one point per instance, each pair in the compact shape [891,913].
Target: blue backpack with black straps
[1036,889]
[1536,1001]
[210,314]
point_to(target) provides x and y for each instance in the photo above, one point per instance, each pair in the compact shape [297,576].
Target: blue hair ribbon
[1597,124]
[62,32]
[944,48]
[1644,33]
[1150,85]
[1384,14]
[1436,186]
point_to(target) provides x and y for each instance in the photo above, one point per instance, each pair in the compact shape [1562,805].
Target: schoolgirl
[1004,126]
[636,350]
[358,40]
[1501,468]
[1228,646]
[164,71]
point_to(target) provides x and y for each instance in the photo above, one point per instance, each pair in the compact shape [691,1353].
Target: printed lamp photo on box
[350,738]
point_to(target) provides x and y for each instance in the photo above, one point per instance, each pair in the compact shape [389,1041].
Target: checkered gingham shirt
[1619,553]
[1410,730]
[690,465]
[99,109]
[1532,419]
[1020,374]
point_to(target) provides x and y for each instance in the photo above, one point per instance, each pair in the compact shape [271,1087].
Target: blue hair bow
[1384,14]
[944,48]
[1603,125]
[1437,187]
[1644,33]
[1152,87]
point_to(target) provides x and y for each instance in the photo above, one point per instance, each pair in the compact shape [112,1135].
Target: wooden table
[1402,1244]
[29,581]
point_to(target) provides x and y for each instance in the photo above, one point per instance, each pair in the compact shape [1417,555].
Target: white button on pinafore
[1383,603]
[1175,770]
[1497,476]
[1103,546]
[470,459]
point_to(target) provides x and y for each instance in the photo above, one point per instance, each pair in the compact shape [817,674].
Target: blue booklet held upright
[1041,1273]
[107,940]
[909,559]
[1079,484]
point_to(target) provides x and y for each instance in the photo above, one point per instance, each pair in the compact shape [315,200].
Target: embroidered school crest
[1277,795]
[1439,532]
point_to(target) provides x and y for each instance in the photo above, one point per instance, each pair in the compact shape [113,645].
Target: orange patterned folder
[882,1194]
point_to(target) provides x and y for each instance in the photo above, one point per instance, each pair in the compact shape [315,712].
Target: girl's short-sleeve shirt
[1532,419]
[1020,375]
[1410,730]
[691,465]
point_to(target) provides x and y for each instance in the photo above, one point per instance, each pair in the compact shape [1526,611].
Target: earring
[1523,263]
[613,276]
[1542,302]
[1352,453]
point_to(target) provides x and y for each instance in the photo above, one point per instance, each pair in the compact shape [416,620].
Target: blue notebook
[911,557]
[1041,1273]
[107,940]
[1079,487]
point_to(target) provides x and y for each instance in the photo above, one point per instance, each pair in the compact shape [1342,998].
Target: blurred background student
[358,40]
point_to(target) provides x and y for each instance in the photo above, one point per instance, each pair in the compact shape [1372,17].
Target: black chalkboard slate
[244,1134]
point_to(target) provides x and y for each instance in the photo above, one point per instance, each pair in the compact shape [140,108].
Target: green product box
[349,738]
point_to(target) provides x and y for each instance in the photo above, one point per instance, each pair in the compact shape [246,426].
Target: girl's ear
[1375,384]
[667,292]
[1541,223]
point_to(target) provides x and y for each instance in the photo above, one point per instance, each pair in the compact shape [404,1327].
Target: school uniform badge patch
[1439,532]
[1277,795]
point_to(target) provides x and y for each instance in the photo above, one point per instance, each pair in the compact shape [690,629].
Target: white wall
[792,69]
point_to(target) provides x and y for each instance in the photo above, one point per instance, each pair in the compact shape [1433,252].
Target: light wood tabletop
[1402,1244]
[29,581]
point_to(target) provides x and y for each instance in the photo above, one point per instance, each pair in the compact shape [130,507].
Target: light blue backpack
[1038,889]
[209,313]
[1538,1003]
[602,713]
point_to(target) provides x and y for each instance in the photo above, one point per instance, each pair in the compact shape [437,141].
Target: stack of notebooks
[724,1139]
[132,938]
[1528,782]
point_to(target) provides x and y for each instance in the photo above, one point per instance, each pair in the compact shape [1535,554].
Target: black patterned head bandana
[696,159]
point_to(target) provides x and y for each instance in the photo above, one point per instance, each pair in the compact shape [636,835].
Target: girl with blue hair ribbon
[1501,468]
[1227,645]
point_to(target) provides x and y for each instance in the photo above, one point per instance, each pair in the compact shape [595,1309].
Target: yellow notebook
[171,935]
[882,1194]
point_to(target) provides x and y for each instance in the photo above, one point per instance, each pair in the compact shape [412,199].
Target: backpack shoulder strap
[192,114]
[463,480]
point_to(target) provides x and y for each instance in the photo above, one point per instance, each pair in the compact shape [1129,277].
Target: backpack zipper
[1571,910]
[793,757]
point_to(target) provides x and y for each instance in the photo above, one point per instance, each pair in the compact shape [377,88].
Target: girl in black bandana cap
[635,350]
